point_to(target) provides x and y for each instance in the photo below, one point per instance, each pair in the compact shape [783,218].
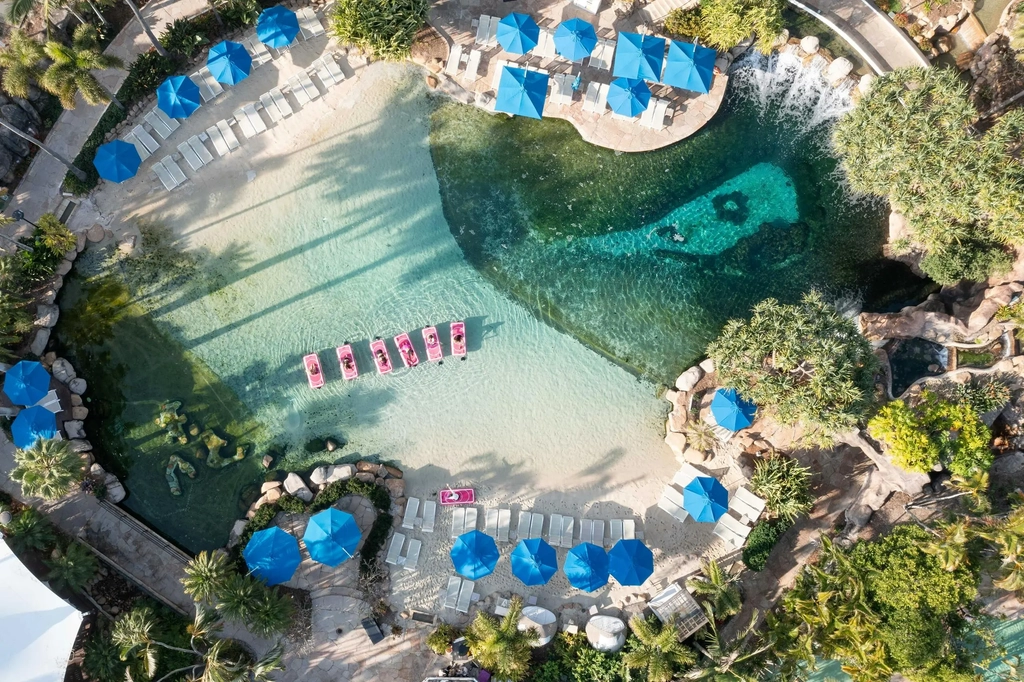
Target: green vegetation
[718,588]
[441,639]
[385,28]
[685,24]
[499,646]
[48,469]
[656,652]
[20,63]
[762,539]
[935,431]
[206,575]
[806,363]
[30,531]
[911,139]
[72,568]
[1012,313]
[71,70]
[981,394]
[701,436]
[725,23]
[15,320]
[741,658]
[784,485]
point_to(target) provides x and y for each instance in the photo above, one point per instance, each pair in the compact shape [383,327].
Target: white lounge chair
[412,508]
[555,530]
[322,73]
[298,91]
[139,147]
[734,526]
[482,29]
[685,475]
[268,106]
[164,175]
[244,124]
[257,50]
[308,85]
[171,123]
[465,596]
[603,54]
[586,530]
[458,521]
[523,526]
[190,156]
[537,526]
[614,531]
[747,504]
[451,594]
[471,514]
[50,402]
[545,44]
[315,26]
[159,127]
[281,102]
[200,149]
[628,529]
[602,98]
[219,145]
[492,32]
[173,169]
[498,68]
[145,138]
[429,512]
[472,67]
[504,521]
[204,89]
[254,118]
[334,68]
[491,523]
[568,523]
[412,556]
[228,134]
[599,533]
[590,98]
[395,549]
[454,60]
[304,28]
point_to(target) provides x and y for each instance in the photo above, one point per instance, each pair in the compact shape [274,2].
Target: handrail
[850,41]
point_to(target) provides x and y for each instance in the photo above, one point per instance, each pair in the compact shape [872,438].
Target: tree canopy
[386,28]
[725,23]
[805,362]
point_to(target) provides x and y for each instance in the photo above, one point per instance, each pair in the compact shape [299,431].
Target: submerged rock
[688,379]
[169,420]
[62,370]
[296,487]
[176,462]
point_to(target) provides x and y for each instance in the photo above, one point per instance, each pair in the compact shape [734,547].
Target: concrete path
[40,190]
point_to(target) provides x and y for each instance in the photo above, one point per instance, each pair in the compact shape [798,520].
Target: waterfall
[790,91]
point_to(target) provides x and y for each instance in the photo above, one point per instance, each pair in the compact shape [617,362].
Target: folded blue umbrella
[117,161]
[332,537]
[705,499]
[575,39]
[474,555]
[178,97]
[518,33]
[229,62]
[628,96]
[630,562]
[26,383]
[32,424]
[277,27]
[730,411]
[521,92]
[534,561]
[272,555]
[586,567]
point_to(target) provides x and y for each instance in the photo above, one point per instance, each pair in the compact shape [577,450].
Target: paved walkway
[40,190]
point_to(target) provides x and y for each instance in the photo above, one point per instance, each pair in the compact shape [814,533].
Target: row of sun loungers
[411,519]
[497,523]
[561,528]
[561,89]
[530,525]
[463,520]
[309,23]
[603,54]
[596,98]
[410,560]
[459,594]
[487,30]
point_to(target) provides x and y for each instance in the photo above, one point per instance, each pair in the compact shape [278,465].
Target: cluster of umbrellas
[178,97]
[534,561]
[27,383]
[331,537]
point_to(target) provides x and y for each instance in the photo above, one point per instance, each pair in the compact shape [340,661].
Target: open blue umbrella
[521,92]
[117,161]
[630,562]
[474,555]
[730,411]
[332,536]
[689,66]
[178,97]
[229,62]
[575,39]
[518,33]
[26,383]
[272,555]
[31,424]
[277,27]
[638,56]
[586,567]
[628,96]
[705,499]
[534,561]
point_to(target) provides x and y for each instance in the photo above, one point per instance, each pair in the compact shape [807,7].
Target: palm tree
[15,321]
[701,437]
[272,613]
[499,646]
[741,660]
[48,468]
[206,575]
[30,530]
[950,543]
[236,597]
[20,62]
[718,588]
[656,651]
[72,68]
[72,569]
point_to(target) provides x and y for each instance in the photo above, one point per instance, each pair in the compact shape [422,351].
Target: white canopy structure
[37,628]
[541,620]
[606,633]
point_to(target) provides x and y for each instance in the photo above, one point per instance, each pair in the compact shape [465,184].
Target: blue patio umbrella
[730,411]
[474,555]
[272,555]
[630,562]
[31,424]
[277,26]
[521,92]
[689,66]
[229,62]
[178,97]
[518,33]
[117,161]
[628,96]
[638,56]
[534,561]
[26,383]
[332,536]
[575,39]
[705,499]
[586,567]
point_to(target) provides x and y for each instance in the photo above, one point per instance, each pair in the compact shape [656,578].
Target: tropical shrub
[573,659]
[186,36]
[499,646]
[48,469]
[50,240]
[239,13]
[386,28]
[145,75]
[71,70]
[901,20]
[246,599]
[981,394]
[973,260]
[1013,313]
[762,539]
[701,436]
[72,568]
[935,431]
[440,639]
[293,505]
[784,485]
[206,575]
[685,23]
[15,320]
[55,235]
[805,362]
[102,661]
[725,23]
[655,649]
[911,139]
[718,588]
[30,530]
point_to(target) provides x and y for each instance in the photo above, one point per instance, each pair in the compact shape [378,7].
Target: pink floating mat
[450,497]
[459,339]
[405,350]
[347,360]
[433,343]
[381,357]
[314,372]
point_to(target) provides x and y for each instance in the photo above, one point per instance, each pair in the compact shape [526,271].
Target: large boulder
[46,315]
[395,487]
[62,370]
[838,70]
[74,428]
[688,379]
[318,476]
[809,44]
[339,472]
[268,486]
[708,365]
[676,442]
[296,487]
[77,385]
[115,491]
[80,445]
[39,341]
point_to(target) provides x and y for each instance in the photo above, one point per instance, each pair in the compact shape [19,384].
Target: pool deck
[687,111]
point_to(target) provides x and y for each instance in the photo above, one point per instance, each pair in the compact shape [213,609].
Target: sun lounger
[686,474]
[200,149]
[545,44]
[586,530]
[590,98]
[50,402]
[568,523]
[283,107]
[171,123]
[298,91]
[555,530]
[732,531]
[268,106]
[334,68]
[601,57]
[412,556]
[537,526]
[592,6]
[380,357]
[629,529]
[465,596]
[257,50]
[451,594]
[615,531]
[602,98]
[228,135]
[139,147]
[322,73]
[314,372]
[749,503]
[523,527]
[254,118]
[304,29]
[472,67]
[205,92]
[504,521]
[458,522]
[471,513]
[492,33]
[308,85]
[454,57]
[145,138]
[412,508]
[315,26]
[159,127]
[498,67]
[395,549]
[429,512]
[482,29]
[244,124]
[173,169]
[190,156]
[212,83]
[599,532]
[491,523]
[164,176]
[672,509]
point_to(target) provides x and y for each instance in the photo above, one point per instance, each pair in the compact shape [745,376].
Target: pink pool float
[347,360]
[459,339]
[381,357]
[433,343]
[450,497]
[405,350]
[313,370]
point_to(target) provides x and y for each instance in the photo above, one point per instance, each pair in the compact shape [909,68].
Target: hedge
[761,540]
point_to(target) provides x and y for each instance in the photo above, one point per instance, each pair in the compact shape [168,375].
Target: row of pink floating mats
[381,357]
